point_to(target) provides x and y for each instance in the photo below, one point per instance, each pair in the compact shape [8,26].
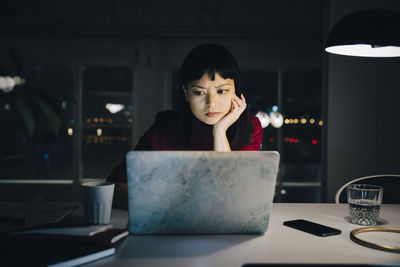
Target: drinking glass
[364,203]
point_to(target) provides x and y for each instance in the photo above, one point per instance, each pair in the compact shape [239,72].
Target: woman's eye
[198,92]
[222,91]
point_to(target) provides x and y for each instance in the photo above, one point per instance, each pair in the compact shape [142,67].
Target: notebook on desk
[200,192]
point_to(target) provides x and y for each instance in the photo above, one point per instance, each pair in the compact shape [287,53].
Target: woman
[212,113]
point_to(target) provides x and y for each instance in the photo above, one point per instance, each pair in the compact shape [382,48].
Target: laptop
[200,192]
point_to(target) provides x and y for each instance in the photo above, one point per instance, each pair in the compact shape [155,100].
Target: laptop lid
[200,192]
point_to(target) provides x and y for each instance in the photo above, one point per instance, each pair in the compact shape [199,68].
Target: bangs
[209,59]
[197,73]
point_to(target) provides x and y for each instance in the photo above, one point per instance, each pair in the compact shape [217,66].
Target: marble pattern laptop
[200,192]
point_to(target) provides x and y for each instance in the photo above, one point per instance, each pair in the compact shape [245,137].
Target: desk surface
[280,244]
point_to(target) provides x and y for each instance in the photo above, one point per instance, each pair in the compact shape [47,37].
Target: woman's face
[210,100]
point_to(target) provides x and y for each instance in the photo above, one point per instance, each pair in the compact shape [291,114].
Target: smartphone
[312,228]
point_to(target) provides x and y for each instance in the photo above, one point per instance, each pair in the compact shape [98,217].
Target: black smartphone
[312,228]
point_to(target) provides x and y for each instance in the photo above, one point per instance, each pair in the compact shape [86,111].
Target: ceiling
[152,17]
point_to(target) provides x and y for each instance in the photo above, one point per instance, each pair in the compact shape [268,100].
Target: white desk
[280,244]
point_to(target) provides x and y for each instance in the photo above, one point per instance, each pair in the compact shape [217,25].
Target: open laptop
[200,192]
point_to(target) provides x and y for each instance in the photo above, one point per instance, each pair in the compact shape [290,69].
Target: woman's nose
[211,100]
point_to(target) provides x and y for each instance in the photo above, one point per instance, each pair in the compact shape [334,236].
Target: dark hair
[211,59]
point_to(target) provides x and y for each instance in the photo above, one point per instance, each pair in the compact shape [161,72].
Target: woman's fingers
[240,102]
[243,99]
[238,107]
[235,103]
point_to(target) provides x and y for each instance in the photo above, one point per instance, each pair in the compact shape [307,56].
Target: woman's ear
[185,92]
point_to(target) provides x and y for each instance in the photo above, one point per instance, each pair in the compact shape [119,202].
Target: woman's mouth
[212,114]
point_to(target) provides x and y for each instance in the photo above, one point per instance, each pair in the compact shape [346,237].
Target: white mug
[97,202]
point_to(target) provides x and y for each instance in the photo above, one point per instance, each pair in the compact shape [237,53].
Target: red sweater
[201,139]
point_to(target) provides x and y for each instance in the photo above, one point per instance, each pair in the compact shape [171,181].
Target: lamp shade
[366,33]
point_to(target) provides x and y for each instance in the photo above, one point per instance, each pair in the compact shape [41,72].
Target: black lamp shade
[377,28]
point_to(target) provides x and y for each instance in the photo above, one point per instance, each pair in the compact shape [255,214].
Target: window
[301,136]
[35,139]
[296,93]
[107,119]
[80,127]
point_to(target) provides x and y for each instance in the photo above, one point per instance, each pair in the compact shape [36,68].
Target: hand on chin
[238,107]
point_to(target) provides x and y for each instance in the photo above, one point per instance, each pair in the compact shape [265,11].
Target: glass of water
[364,203]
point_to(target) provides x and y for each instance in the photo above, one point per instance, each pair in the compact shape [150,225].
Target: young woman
[212,113]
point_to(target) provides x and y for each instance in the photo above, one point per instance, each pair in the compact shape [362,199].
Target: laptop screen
[200,191]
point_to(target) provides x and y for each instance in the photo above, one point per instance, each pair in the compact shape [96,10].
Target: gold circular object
[373,245]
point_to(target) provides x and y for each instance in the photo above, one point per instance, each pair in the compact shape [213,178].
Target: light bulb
[276,119]
[114,108]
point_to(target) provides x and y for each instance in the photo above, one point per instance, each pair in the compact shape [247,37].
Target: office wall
[362,109]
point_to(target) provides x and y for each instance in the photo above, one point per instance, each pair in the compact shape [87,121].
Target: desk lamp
[366,33]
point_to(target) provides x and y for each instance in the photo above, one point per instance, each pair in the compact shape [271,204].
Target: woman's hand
[238,106]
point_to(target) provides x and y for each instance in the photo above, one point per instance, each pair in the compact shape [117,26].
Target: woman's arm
[149,141]
[256,141]
[221,142]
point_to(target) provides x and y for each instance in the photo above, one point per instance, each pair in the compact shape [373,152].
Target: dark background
[129,52]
